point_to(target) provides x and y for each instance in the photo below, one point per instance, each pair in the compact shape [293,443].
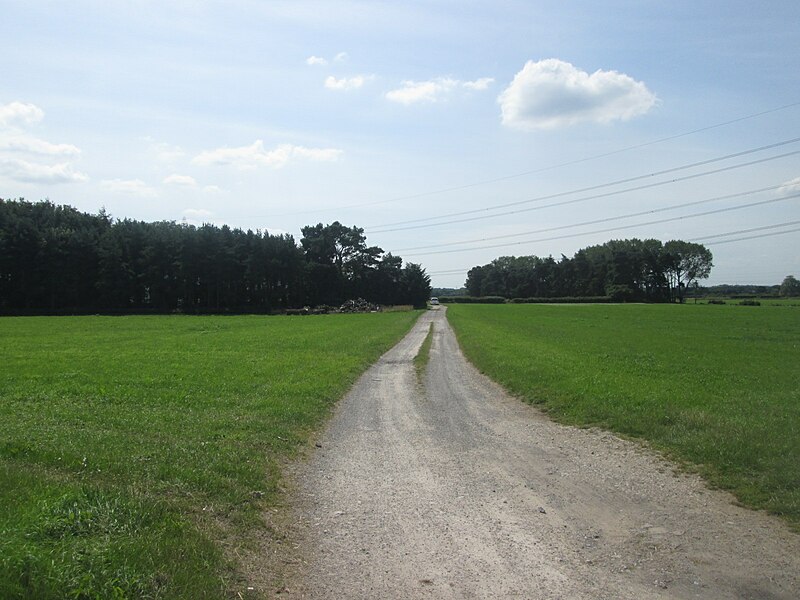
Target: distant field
[131,447]
[717,386]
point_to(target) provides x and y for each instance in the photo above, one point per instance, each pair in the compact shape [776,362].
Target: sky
[453,132]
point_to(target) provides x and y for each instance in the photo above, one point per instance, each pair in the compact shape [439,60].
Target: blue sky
[274,115]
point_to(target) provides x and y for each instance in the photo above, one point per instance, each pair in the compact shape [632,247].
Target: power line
[699,239]
[569,235]
[755,237]
[596,221]
[543,169]
[379,228]
[595,196]
[453,272]
[752,229]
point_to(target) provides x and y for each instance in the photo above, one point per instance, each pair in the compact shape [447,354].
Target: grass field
[131,448]
[715,386]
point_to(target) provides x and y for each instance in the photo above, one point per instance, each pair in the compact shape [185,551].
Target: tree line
[624,270]
[57,259]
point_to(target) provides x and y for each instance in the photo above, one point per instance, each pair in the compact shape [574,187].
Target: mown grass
[129,446]
[715,386]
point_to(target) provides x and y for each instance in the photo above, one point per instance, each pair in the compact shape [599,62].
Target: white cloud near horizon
[30,172]
[29,159]
[345,83]
[552,93]
[133,187]
[181,180]
[434,90]
[255,155]
[197,216]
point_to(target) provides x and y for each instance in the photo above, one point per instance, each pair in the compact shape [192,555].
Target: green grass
[130,447]
[717,387]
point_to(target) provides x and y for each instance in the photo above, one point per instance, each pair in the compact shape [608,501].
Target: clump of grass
[423,355]
[717,389]
[131,445]
[749,302]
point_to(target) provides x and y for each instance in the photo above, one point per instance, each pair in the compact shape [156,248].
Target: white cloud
[182,180]
[790,187]
[23,157]
[29,172]
[346,83]
[212,189]
[197,216]
[434,90]
[479,84]
[133,187]
[255,155]
[553,93]
[422,91]
[319,61]
[33,145]
[20,112]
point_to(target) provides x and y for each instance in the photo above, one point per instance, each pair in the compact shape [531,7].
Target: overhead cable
[542,169]
[595,196]
[655,222]
[381,228]
[596,221]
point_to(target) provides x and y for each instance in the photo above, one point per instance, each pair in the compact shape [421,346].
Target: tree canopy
[790,286]
[56,258]
[634,270]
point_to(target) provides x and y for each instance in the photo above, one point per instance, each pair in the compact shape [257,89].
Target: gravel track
[450,488]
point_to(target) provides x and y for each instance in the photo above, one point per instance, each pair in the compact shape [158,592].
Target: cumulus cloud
[346,83]
[553,93]
[255,155]
[29,159]
[434,90]
[320,61]
[133,187]
[20,113]
[182,180]
[30,172]
[479,84]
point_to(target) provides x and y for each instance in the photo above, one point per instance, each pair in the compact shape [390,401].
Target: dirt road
[452,489]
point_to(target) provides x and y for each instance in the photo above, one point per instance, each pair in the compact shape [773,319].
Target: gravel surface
[450,488]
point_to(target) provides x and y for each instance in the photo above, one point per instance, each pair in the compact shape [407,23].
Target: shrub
[473,299]
[716,301]
[749,302]
[564,300]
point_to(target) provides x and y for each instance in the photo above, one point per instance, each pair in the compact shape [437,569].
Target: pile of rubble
[359,305]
